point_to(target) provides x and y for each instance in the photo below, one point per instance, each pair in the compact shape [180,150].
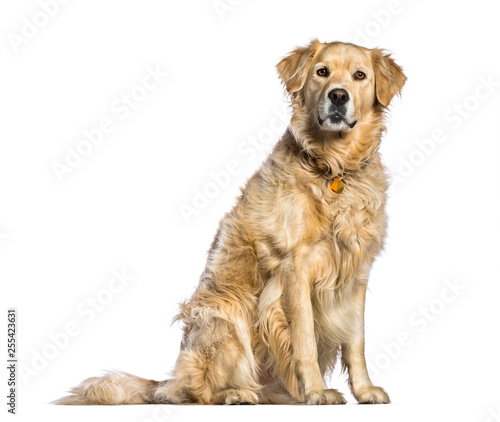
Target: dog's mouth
[335,119]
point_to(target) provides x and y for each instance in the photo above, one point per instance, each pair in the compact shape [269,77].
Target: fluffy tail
[112,388]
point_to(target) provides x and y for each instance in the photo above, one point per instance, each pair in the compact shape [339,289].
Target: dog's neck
[332,154]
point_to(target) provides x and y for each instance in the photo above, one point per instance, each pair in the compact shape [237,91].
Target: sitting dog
[283,292]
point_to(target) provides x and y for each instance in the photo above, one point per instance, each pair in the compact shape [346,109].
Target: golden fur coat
[282,295]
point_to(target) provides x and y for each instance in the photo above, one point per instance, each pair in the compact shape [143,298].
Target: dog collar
[337,186]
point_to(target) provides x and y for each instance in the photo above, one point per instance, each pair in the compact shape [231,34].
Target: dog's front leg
[306,382]
[353,358]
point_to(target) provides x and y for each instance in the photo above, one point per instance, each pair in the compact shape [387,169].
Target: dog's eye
[322,72]
[359,75]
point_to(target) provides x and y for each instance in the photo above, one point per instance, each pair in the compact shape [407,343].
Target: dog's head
[337,85]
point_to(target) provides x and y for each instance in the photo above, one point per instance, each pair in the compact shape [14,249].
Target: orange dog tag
[337,186]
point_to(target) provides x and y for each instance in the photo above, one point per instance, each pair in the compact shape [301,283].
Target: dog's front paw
[371,395]
[329,396]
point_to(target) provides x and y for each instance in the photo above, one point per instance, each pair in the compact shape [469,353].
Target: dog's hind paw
[236,396]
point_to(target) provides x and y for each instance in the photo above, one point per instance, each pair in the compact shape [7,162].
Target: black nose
[338,96]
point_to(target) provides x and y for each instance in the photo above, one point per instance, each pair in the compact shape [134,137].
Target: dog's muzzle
[337,111]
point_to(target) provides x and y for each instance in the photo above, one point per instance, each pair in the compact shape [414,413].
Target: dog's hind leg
[216,364]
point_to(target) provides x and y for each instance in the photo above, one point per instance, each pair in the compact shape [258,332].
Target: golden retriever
[283,292]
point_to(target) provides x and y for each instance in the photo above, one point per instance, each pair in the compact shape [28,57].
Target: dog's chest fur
[352,236]
[351,226]
[330,236]
[331,239]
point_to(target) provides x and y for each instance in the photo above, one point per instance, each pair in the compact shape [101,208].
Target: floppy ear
[389,77]
[293,68]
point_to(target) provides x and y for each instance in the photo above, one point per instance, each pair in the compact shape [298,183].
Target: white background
[120,207]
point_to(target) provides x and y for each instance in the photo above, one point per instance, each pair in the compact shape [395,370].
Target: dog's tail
[113,388]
